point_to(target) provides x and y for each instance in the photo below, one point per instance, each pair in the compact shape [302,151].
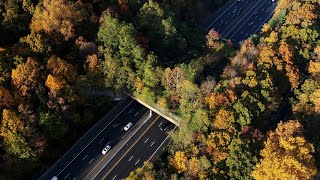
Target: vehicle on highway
[106,149]
[251,24]
[128,126]
[255,13]
[165,125]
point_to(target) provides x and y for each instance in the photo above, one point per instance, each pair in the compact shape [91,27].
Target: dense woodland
[248,112]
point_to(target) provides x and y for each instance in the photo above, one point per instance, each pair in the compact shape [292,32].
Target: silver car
[106,149]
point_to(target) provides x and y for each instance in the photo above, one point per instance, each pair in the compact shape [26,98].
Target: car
[165,125]
[239,0]
[128,126]
[255,13]
[238,13]
[106,149]
[251,24]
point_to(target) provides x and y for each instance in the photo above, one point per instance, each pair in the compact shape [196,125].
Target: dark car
[165,125]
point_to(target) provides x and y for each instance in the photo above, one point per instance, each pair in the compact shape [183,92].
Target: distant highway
[239,19]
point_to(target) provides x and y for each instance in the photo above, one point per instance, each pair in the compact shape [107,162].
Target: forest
[247,112]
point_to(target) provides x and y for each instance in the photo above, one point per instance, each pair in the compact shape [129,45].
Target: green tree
[54,125]
[241,160]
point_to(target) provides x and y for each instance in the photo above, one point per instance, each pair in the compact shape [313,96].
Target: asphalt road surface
[78,164]
[238,20]
[140,149]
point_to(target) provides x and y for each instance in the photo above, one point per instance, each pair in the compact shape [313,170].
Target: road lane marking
[130,111]
[239,20]
[137,162]
[74,178]
[91,161]
[120,148]
[124,154]
[136,114]
[220,14]
[146,140]
[130,158]
[264,22]
[160,145]
[114,177]
[101,140]
[85,157]
[115,125]
[66,176]
[94,137]
[152,143]
[258,23]
[160,124]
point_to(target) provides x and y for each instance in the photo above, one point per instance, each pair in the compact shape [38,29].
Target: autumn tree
[26,77]
[13,130]
[179,162]
[6,98]
[144,173]
[58,18]
[286,155]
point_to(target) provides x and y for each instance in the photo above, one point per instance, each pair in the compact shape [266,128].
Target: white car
[106,149]
[128,126]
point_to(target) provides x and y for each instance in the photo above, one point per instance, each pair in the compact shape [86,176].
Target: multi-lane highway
[85,159]
[239,19]
[141,148]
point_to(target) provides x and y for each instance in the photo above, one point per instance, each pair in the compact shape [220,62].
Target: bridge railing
[159,110]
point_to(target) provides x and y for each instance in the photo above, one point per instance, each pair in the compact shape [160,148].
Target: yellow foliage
[26,76]
[194,167]
[62,69]
[217,145]
[178,162]
[55,84]
[286,155]
[273,37]
[314,68]
[224,121]
[11,122]
[138,85]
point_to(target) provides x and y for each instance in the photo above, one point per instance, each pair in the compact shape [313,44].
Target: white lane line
[91,161]
[130,111]
[256,30]
[130,158]
[221,15]
[116,125]
[66,176]
[137,162]
[264,22]
[85,157]
[101,140]
[248,12]
[152,143]
[136,114]
[114,154]
[146,140]
[93,138]
[160,145]
[114,177]
[160,124]
[74,178]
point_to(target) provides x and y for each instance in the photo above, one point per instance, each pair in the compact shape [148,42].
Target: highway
[91,156]
[129,149]
[141,148]
[238,20]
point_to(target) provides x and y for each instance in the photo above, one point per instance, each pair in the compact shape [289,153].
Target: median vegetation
[246,113]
